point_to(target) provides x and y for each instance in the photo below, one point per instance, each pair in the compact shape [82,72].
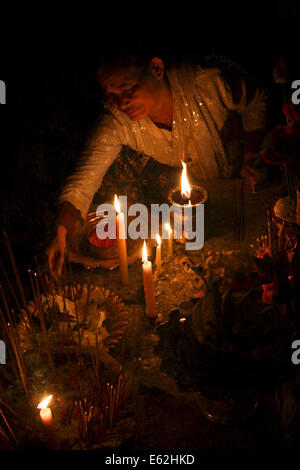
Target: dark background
[48,62]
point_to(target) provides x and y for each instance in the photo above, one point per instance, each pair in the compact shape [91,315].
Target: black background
[48,61]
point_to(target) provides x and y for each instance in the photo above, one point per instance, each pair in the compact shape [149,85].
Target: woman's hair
[140,52]
[127,54]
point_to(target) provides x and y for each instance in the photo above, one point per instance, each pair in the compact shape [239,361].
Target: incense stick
[9,428]
[239,224]
[10,285]
[74,294]
[15,270]
[43,326]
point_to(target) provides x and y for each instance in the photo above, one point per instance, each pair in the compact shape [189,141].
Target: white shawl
[202,101]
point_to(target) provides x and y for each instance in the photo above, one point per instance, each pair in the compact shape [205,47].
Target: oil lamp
[185,196]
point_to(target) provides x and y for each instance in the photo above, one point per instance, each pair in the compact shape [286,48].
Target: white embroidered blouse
[202,101]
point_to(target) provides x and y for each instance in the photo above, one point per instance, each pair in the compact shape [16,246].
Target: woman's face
[131,90]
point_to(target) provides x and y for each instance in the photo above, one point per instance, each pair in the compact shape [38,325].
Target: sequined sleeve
[101,149]
[242,93]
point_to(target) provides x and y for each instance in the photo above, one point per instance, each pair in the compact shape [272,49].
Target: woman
[199,112]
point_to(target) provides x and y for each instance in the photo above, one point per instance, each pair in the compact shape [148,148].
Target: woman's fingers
[50,256]
[55,260]
[60,262]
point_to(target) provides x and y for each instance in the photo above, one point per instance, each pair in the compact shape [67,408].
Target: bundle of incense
[239,223]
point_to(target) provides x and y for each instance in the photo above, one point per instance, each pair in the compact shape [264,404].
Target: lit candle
[148,285]
[158,255]
[46,417]
[170,242]
[121,238]
[45,413]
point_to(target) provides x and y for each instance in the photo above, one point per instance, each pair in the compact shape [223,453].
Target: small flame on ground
[44,404]
[158,239]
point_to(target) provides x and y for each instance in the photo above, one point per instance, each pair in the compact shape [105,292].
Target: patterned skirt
[139,177]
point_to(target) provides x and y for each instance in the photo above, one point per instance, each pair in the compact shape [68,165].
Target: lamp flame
[145,255]
[185,185]
[168,227]
[117,204]
[44,404]
[158,239]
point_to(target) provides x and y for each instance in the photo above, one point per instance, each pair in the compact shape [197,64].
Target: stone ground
[166,417]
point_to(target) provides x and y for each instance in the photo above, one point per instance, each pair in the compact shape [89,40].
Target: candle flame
[117,204]
[44,404]
[145,255]
[168,227]
[158,239]
[185,185]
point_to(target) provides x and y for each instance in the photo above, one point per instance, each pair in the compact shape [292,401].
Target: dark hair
[125,54]
[139,52]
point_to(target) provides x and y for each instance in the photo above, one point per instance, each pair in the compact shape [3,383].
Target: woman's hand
[56,252]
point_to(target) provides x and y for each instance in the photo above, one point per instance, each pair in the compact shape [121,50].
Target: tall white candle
[148,285]
[121,239]
[170,240]
[158,255]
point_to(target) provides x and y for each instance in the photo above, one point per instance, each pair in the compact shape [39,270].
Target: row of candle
[147,265]
[121,231]
[122,246]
